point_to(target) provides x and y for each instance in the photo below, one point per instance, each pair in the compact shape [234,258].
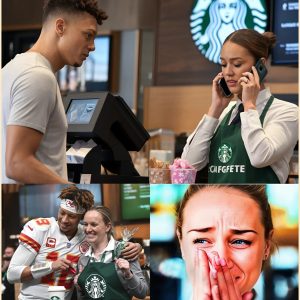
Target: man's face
[68,222]
[6,258]
[77,40]
[8,253]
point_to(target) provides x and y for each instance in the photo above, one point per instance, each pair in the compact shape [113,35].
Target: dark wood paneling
[18,14]
[178,61]
[123,14]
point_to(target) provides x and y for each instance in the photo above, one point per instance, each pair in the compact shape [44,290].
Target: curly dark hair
[74,6]
[81,197]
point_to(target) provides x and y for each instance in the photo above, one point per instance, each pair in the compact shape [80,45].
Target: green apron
[100,280]
[228,158]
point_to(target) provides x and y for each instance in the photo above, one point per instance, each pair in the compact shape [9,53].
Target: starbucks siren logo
[55,298]
[212,21]
[95,286]
[224,153]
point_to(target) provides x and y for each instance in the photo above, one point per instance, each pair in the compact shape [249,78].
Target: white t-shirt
[43,238]
[31,98]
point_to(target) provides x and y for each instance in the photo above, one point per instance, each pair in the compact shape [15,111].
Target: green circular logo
[55,298]
[211,21]
[224,153]
[95,286]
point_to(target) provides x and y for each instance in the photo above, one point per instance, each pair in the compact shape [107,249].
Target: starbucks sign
[211,21]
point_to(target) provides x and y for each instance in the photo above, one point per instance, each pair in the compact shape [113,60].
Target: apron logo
[95,286]
[211,21]
[55,298]
[224,153]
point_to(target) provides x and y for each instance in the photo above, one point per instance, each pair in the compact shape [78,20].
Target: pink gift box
[183,175]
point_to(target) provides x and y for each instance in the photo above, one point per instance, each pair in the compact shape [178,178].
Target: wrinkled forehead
[221,207]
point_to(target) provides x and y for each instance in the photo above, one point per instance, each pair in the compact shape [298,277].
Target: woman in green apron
[250,140]
[102,273]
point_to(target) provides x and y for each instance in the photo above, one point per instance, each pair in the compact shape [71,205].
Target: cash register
[109,121]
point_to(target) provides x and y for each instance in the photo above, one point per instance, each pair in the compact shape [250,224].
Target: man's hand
[80,269]
[61,264]
[131,251]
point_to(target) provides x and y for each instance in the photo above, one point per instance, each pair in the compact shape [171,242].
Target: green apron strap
[227,118]
[262,116]
[264,112]
[103,256]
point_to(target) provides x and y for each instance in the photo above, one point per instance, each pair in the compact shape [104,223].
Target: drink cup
[180,176]
[56,292]
[157,175]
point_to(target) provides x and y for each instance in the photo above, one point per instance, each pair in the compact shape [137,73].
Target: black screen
[285,27]
[109,121]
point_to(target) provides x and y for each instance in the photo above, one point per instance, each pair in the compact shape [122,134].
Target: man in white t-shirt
[49,250]
[34,123]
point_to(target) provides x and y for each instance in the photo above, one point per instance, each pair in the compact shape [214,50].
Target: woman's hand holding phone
[251,86]
[219,101]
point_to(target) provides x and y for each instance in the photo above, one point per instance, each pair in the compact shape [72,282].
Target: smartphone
[261,70]
[224,88]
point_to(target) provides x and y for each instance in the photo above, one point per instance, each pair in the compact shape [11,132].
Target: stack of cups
[182,172]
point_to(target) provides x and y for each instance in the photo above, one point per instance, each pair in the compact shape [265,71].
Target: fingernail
[214,274]
[217,261]
[223,262]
